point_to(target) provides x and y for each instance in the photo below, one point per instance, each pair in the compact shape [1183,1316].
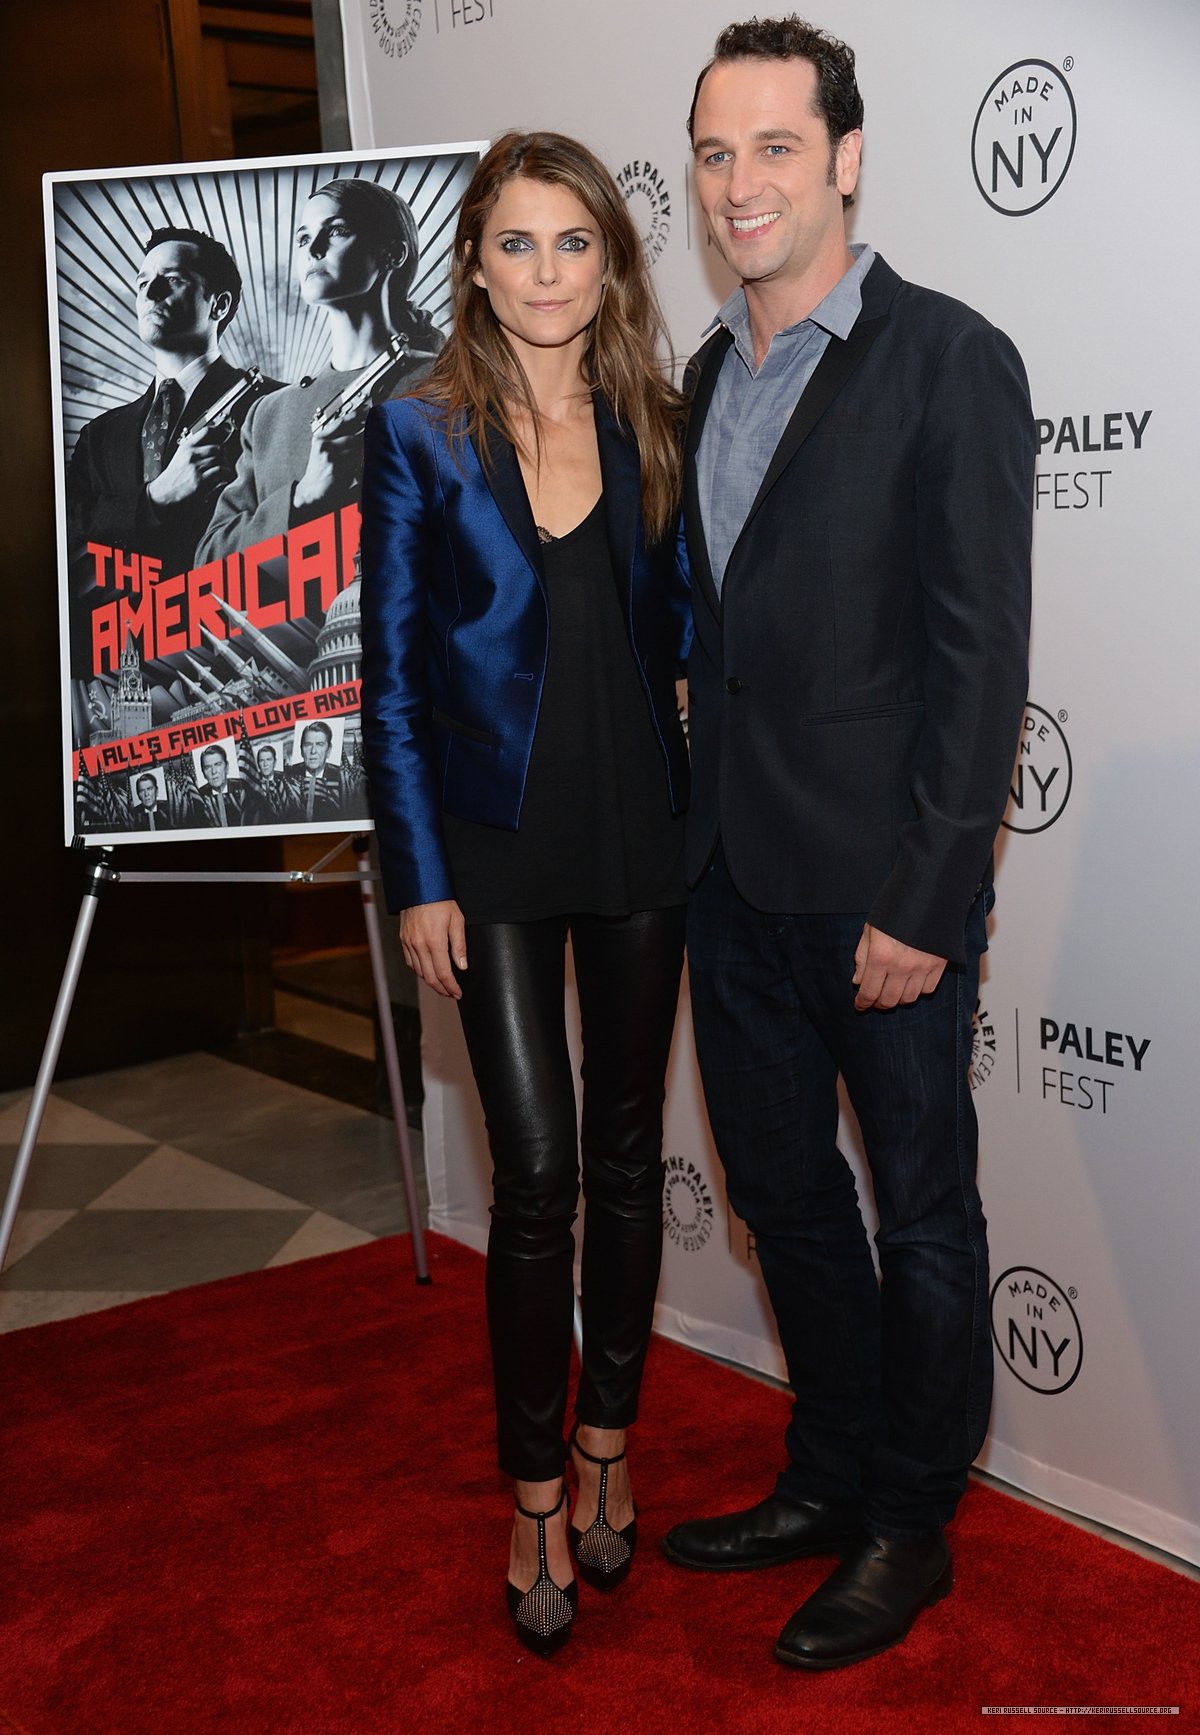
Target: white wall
[1087,1031]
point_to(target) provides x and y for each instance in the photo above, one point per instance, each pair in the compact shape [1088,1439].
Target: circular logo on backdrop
[1024,138]
[649,205]
[1042,775]
[687,1205]
[1036,1329]
[396,24]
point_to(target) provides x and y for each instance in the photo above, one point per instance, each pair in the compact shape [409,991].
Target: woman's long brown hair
[478,376]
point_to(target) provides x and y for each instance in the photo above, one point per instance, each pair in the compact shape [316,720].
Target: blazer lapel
[217,379]
[835,367]
[125,443]
[702,370]
[502,473]
[831,373]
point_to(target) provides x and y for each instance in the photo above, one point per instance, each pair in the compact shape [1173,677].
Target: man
[271,797]
[317,790]
[857,494]
[219,803]
[149,813]
[137,481]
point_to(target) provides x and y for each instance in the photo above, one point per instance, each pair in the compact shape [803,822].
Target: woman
[523,619]
[355,258]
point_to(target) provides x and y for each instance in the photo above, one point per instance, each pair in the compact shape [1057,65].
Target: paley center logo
[649,203]
[396,24]
[983,1046]
[1036,1329]
[1042,775]
[1077,1049]
[1024,137]
[687,1205]
[1107,431]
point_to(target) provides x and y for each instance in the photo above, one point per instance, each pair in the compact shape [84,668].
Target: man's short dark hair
[320,727]
[218,273]
[837,102]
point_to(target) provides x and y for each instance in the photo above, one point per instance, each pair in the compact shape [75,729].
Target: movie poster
[218,333]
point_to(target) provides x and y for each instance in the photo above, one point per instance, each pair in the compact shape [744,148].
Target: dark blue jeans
[892,1377]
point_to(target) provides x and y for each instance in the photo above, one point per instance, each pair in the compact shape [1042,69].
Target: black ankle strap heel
[543,1614]
[603,1555]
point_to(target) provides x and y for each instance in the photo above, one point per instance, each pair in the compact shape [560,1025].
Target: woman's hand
[430,936]
[334,460]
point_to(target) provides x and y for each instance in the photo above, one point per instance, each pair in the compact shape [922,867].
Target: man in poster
[317,790]
[858,488]
[145,476]
[219,803]
[149,813]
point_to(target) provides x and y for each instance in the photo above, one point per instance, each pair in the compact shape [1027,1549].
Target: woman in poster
[524,615]
[355,255]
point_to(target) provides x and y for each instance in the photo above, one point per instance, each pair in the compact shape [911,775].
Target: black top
[596,834]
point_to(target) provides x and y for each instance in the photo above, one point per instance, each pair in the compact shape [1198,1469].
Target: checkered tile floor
[184,1170]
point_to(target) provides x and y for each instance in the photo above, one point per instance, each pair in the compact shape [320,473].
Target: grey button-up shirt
[751,407]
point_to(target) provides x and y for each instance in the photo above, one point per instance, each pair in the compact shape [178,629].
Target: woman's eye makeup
[522,244]
[332,232]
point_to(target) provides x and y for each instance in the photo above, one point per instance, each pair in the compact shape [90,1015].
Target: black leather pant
[627,972]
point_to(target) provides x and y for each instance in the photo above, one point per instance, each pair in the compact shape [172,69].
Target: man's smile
[752,225]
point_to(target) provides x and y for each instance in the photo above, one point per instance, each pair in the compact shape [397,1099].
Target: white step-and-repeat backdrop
[1040,163]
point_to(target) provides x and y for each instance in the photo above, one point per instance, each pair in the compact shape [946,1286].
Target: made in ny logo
[687,1205]
[396,24]
[649,203]
[1024,137]
[1042,775]
[1036,1329]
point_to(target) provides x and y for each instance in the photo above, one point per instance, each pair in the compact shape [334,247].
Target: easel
[101,875]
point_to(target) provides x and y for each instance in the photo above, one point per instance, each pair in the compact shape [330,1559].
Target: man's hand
[430,935]
[888,973]
[195,465]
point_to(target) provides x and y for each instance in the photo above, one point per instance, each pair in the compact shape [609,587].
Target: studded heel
[543,1614]
[603,1555]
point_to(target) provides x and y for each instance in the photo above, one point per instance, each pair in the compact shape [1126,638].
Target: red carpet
[268,1505]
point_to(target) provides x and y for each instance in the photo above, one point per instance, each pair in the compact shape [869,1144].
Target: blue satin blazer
[456,631]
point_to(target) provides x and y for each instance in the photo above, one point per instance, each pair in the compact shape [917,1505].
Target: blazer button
[733,685]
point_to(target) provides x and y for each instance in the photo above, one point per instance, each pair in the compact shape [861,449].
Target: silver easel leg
[577,1330]
[101,874]
[391,1060]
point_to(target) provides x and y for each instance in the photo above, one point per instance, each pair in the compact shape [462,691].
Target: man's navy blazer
[856,691]
[456,631]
